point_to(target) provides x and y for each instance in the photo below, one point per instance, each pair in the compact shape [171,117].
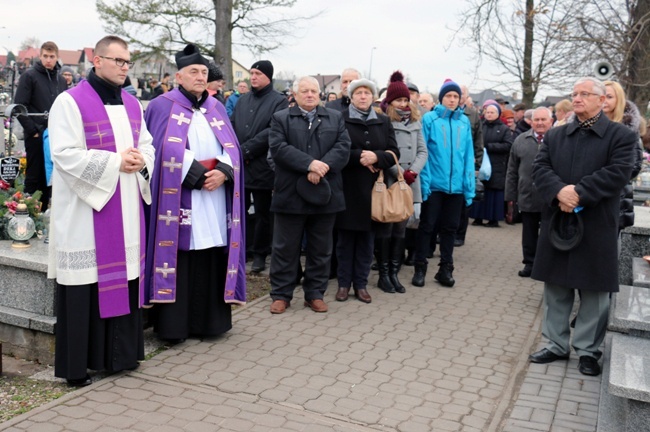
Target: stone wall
[27,302]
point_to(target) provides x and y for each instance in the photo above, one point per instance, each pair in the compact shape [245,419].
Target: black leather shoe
[588,366]
[259,264]
[545,356]
[81,382]
[526,271]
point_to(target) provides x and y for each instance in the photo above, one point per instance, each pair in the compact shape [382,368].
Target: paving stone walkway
[433,359]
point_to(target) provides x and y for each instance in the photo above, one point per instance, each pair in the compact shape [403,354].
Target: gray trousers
[591,321]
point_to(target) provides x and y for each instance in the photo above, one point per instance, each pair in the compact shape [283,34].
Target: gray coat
[413,154]
[598,161]
[519,177]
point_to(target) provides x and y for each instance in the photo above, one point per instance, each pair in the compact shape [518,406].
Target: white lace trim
[86,259]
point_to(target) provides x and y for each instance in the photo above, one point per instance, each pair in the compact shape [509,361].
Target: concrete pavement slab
[432,359]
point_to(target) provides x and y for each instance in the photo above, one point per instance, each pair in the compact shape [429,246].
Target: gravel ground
[25,385]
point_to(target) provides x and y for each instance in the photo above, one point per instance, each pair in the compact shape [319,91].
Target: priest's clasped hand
[213,180]
[132,160]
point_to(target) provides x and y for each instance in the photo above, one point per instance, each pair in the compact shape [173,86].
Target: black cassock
[86,341]
[200,309]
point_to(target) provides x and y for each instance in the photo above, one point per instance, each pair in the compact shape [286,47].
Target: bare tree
[213,25]
[522,38]
[618,32]
[30,42]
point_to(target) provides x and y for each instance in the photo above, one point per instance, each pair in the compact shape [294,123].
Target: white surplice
[209,224]
[84,180]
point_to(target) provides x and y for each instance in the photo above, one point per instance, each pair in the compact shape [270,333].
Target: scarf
[310,115]
[405,115]
[362,115]
[587,124]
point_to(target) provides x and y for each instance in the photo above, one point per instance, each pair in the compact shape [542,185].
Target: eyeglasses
[118,61]
[583,95]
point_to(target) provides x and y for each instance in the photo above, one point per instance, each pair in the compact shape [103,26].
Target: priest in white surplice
[103,156]
[196,264]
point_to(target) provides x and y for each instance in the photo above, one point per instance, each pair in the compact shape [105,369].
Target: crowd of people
[150,208]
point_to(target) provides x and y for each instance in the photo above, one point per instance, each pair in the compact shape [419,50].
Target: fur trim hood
[631,116]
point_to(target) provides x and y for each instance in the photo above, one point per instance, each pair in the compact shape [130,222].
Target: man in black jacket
[252,123]
[343,102]
[37,89]
[310,146]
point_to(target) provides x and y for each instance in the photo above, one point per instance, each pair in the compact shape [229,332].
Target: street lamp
[370,68]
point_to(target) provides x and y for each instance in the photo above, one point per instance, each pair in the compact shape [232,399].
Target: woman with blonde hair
[563,110]
[618,109]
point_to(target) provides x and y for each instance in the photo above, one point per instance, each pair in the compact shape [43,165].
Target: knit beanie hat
[68,69]
[264,66]
[495,105]
[397,89]
[508,114]
[447,87]
[214,73]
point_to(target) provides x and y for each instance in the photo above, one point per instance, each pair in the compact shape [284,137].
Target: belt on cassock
[209,164]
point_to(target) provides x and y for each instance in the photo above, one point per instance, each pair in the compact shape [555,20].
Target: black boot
[396,255]
[420,274]
[383,252]
[444,275]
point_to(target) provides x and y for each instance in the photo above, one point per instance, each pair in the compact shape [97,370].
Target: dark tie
[539,138]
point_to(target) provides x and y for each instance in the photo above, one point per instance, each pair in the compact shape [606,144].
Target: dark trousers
[444,210]
[263,220]
[529,235]
[287,241]
[35,170]
[462,224]
[354,254]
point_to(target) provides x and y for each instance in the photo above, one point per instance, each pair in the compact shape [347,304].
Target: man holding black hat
[252,123]
[310,146]
[579,173]
[196,263]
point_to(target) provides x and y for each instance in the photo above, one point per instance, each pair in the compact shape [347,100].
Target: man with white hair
[343,102]
[196,266]
[310,146]
[426,101]
[519,183]
[579,173]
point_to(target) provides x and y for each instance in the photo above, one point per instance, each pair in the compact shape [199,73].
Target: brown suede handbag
[393,204]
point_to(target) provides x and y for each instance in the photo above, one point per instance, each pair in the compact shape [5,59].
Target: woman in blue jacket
[447,181]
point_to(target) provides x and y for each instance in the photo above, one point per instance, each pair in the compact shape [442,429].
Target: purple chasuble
[110,250]
[170,216]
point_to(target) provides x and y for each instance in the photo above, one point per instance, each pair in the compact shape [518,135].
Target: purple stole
[109,243]
[174,203]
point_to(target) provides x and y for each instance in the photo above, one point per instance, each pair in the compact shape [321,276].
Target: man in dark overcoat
[310,146]
[580,170]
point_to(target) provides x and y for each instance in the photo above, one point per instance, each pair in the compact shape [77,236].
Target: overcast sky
[414,37]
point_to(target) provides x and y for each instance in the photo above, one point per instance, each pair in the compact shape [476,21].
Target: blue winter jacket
[450,166]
